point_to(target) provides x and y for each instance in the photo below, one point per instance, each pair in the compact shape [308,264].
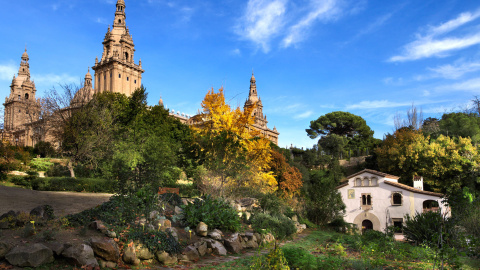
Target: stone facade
[116,71]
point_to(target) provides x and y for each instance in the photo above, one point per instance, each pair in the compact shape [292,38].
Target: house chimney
[418,182]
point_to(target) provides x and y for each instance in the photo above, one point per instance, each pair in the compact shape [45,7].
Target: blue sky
[373,58]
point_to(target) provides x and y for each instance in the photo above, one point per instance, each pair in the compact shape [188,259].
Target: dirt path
[64,203]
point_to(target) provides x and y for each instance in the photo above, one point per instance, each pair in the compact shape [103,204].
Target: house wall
[382,211]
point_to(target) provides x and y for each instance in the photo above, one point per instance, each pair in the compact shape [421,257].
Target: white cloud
[303,115]
[320,10]
[236,52]
[7,71]
[393,81]
[429,45]
[455,71]
[472,85]
[376,104]
[263,20]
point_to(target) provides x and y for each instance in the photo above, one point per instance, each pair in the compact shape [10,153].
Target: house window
[398,224]
[366,202]
[397,198]
[358,182]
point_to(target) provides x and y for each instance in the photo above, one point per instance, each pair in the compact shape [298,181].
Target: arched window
[119,21]
[26,96]
[374,181]
[366,182]
[126,56]
[430,205]
[358,182]
[396,198]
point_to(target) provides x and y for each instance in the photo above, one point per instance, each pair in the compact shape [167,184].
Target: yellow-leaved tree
[234,153]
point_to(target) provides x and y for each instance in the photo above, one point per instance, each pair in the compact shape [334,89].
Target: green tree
[341,131]
[461,125]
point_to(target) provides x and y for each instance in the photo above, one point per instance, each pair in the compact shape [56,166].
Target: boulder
[30,256]
[233,244]
[130,256]
[143,253]
[252,243]
[167,223]
[201,248]
[268,238]
[80,255]
[44,212]
[165,258]
[178,210]
[173,232]
[202,229]
[154,214]
[258,237]
[98,225]
[4,249]
[105,248]
[217,247]
[111,234]
[191,253]
[215,235]
[56,247]
[107,264]
[295,218]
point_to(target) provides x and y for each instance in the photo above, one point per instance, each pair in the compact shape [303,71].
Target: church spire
[252,95]
[24,66]
[120,15]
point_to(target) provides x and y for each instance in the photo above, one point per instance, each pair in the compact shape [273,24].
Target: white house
[375,200]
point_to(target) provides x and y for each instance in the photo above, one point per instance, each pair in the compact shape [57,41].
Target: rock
[217,247]
[143,253]
[30,256]
[295,218]
[178,210]
[202,229]
[252,243]
[154,214]
[233,244]
[215,235]
[268,238]
[9,215]
[98,225]
[4,249]
[247,215]
[201,248]
[106,264]
[173,232]
[258,237]
[191,253]
[248,202]
[105,248]
[111,234]
[238,207]
[167,223]
[300,227]
[44,212]
[56,247]
[165,258]
[130,256]
[81,255]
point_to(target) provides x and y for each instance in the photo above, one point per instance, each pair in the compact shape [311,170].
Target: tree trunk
[70,168]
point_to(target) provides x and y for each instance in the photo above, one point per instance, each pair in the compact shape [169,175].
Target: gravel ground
[64,203]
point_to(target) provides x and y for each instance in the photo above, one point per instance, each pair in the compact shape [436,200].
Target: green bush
[155,240]
[58,170]
[273,260]
[424,228]
[216,213]
[299,258]
[72,184]
[171,198]
[279,225]
[41,164]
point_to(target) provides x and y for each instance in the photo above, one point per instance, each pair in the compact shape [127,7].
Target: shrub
[40,164]
[273,260]
[215,213]
[299,258]
[58,170]
[279,225]
[72,184]
[155,240]
[423,228]
[171,198]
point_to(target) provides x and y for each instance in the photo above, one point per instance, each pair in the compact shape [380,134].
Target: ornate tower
[21,106]
[116,71]
[260,119]
[253,98]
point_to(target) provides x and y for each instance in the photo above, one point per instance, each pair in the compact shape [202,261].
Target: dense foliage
[216,213]
[279,225]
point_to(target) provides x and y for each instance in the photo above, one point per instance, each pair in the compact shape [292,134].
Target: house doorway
[367,225]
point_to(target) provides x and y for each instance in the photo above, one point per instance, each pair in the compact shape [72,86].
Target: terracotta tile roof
[412,189]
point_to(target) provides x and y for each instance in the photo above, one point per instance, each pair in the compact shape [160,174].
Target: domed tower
[21,107]
[85,94]
[116,71]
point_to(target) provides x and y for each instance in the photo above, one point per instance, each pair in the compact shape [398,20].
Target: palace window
[26,96]
[135,81]
[19,97]
[119,75]
[128,79]
[397,198]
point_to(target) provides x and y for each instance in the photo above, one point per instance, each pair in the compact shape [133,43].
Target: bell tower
[116,71]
